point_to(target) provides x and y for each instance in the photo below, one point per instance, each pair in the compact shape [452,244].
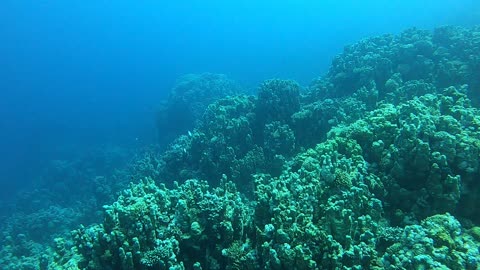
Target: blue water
[76,74]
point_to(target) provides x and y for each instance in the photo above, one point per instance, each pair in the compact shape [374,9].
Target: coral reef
[374,166]
[448,56]
[188,100]
[425,151]
[373,195]
[68,192]
[232,139]
[152,226]
[438,242]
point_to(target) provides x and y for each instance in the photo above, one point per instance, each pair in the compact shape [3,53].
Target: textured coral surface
[373,166]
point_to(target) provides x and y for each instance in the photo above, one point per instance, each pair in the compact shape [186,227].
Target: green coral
[277,100]
[152,225]
[188,100]
[163,256]
[357,172]
[421,142]
[419,246]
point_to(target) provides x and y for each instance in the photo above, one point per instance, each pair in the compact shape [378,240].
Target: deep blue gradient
[74,74]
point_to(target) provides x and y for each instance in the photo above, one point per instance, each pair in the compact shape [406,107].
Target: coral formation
[188,100]
[374,166]
[153,226]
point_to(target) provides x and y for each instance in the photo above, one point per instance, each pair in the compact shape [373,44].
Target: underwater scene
[254,135]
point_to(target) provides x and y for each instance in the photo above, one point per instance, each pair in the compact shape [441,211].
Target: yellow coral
[475,232]
[342,179]
[443,238]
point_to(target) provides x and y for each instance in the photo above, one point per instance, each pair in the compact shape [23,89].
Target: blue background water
[75,74]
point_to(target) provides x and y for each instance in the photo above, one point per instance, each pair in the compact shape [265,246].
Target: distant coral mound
[188,100]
